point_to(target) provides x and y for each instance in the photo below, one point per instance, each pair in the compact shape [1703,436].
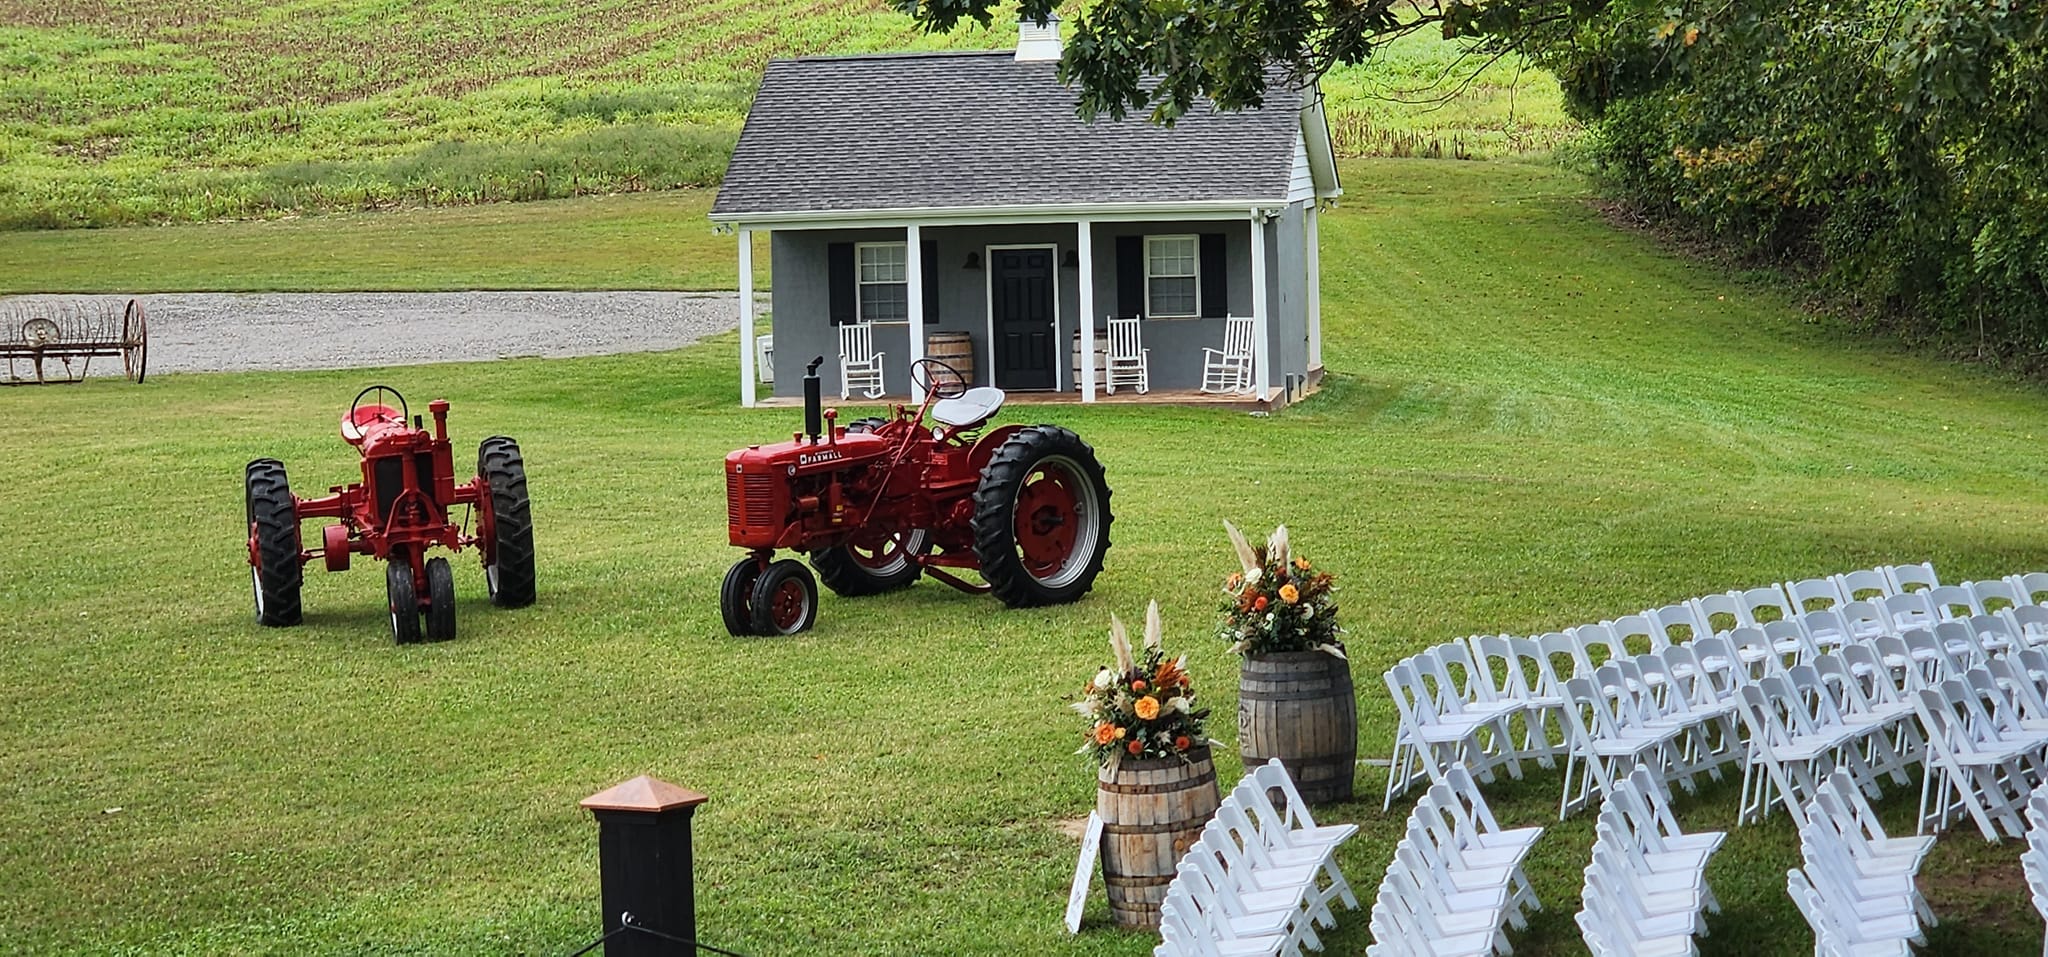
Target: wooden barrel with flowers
[1154,785]
[1294,696]
[1152,811]
[1299,706]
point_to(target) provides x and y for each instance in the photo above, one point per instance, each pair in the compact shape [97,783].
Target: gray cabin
[953,206]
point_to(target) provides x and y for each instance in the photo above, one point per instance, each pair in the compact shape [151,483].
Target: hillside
[123,111]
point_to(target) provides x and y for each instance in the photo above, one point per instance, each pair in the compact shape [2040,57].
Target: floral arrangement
[1140,709]
[1278,601]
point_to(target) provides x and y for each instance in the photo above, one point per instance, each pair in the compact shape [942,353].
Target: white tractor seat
[970,408]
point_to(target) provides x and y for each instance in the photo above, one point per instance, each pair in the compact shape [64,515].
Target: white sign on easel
[1084,872]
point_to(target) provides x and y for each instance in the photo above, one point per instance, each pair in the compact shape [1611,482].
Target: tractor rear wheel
[440,600]
[785,599]
[873,564]
[869,424]
[274,544]
[403,600]
[736,597]
[1041,518]
[508,557]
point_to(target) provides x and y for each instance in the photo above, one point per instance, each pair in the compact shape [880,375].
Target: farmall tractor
[401,509]
[882,501]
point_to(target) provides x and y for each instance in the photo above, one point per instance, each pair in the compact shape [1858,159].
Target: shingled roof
[973,130]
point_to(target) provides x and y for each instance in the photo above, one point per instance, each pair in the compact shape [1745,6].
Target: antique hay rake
[35,338]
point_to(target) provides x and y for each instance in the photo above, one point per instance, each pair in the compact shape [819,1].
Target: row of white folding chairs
[1456,882]
[2034,860]
[1857,889]
[1449,713]
[1987,747]
[1646,889]
[1259,879]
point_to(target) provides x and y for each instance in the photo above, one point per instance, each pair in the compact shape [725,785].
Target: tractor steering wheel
[938,378]
[381,390]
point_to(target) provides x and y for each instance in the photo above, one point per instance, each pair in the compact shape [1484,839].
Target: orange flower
[1259,603]
[1135,746]
[1147,708]
[1290,594]
[1181,743]
[1137,684]
[1121,731]
[1301,563]
[1235,579]
[1105,733]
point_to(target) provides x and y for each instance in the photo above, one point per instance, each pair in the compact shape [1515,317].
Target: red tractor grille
[750,500]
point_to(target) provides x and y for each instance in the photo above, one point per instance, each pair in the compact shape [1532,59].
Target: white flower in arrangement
[1104,679]
[1251,576]
[1177,703]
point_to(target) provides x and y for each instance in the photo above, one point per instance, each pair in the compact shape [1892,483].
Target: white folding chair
[1863,584]
[1675,624]
[1721,613]
[1994,595]
[2031,586]
[1514,672]
[1128,361]
[1954,601]
[1973,766]
[860,366]
[1814,594]
[1766,604]
[1906,578]
[1603,747]
[1229,369]
[1827,922]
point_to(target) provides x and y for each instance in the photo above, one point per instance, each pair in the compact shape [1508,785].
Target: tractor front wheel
[274,572]
[1041,518]
[508,556]
[736,596]
[785,599]
[403,599]
[440,600]
[872,564]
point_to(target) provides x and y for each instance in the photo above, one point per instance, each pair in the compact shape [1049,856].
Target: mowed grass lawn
[1533,421]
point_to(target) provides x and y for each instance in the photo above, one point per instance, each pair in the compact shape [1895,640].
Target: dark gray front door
[1021,297]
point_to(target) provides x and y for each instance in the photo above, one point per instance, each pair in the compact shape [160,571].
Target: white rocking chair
[1128,360]
[1229,369]
[860,366]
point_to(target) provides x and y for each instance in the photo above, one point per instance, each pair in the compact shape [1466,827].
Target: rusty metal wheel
[135,342]
[785,599]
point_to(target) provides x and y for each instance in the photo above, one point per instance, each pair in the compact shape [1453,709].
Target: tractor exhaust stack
[814,403]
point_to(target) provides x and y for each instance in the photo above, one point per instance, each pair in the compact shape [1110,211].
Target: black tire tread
[440,600]
[276,518]
[504,470]
[736,597]
[760,607]
[995,540]
[399,591]
[848,578]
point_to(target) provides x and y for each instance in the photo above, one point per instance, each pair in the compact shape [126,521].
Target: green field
[1533,421]
[129,111]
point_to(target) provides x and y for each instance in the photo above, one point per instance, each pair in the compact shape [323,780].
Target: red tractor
[400,510]
[882,501]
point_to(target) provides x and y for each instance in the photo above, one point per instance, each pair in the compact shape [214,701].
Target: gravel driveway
[221,332]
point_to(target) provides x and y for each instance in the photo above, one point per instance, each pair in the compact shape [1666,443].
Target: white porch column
[1315,293]
[1084,249]
[746,318]
[1262,350]
[913,277]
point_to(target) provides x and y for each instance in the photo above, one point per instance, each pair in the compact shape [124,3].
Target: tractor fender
[986,446]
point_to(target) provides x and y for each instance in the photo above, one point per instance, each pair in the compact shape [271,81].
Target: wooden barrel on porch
[1299,706]
[955,349]
[1074,358]
[1152,811]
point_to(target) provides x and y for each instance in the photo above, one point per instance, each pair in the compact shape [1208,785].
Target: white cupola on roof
[1038,42]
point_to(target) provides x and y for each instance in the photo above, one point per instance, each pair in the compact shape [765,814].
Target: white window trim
[1197,275]
[858,315]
